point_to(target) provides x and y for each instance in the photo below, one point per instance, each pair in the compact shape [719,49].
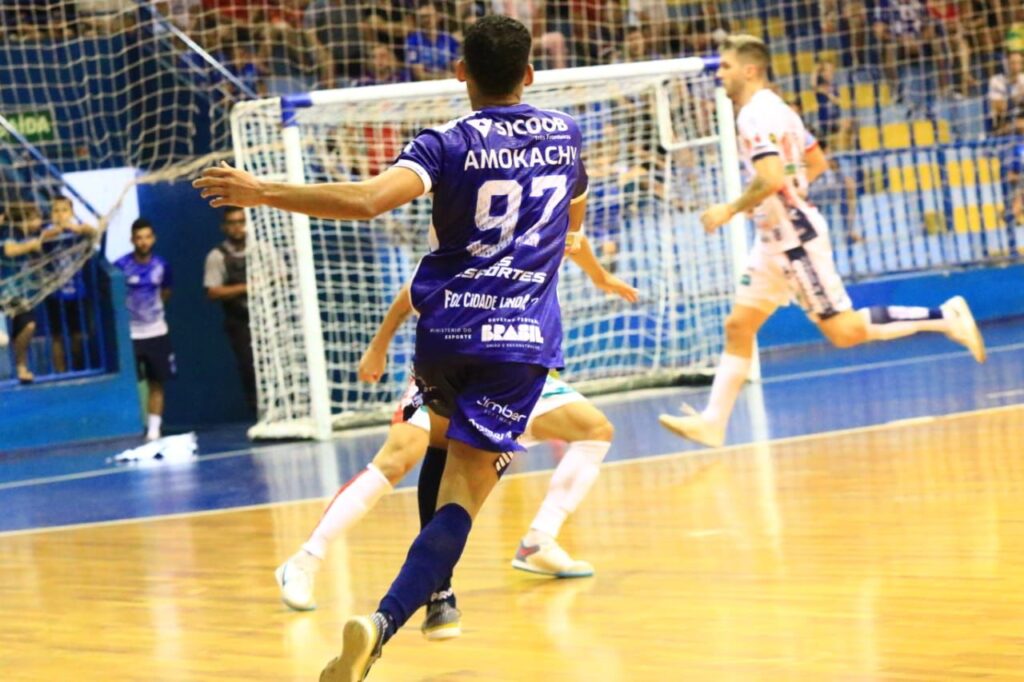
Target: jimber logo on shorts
[506,413]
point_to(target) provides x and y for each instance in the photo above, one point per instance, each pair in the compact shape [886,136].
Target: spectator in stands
[652,15]
[637,48]
[21,240]
[905,32]
[390,22]
[65,308]
[245,55]
[224,278]
[705,30]
[1012,165]
[335,30]
[383,67]
[148,280]
[832,125]
[430,52]
[1006,95]
[955,53]
[596,30]
[550,46]
[835,193]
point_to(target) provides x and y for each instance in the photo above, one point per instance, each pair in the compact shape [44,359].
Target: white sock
[885,323]
[306,561]
[350,504]
[573,478]
[153,425]
[730,376]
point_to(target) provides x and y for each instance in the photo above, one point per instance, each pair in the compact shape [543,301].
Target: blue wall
[207,390]
[106,406]
[993,293]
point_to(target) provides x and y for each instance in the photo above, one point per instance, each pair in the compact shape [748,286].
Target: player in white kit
[792,257]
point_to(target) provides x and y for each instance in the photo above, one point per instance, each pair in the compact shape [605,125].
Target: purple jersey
[502,180]
[145,304]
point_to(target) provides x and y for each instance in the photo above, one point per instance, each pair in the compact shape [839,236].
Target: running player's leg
[762,289]
[563,414]
[819,289]
[488,405]
[401,450]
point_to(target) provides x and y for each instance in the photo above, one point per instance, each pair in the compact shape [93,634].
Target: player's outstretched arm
[375,358]
[769,178]
[227,186]
[602,279]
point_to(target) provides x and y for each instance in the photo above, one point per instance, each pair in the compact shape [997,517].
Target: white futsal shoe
[295,578]
[962,327]
[693,426]
[548,558]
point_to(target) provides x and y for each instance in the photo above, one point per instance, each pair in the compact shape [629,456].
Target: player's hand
[716,216]
[613,285]
[573,242]
[372,364]
[35,245]
[227,186]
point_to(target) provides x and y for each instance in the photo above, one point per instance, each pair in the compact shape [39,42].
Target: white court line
[618,398]
[1005,394]
[525,474]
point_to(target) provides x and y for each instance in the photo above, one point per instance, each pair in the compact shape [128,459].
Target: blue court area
[808,389]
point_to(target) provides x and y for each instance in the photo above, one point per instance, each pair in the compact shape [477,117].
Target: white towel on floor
[180,448]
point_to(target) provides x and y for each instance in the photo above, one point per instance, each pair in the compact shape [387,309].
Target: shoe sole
[668,421]
[977,345]
[358,639]
[523,566]
[443,632]
[279,579]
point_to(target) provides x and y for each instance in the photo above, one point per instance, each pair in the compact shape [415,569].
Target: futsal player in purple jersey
[508,185]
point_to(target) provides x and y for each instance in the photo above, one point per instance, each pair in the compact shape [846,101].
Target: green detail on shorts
[745,280]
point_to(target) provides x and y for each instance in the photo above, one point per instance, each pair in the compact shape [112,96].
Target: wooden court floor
[887,553]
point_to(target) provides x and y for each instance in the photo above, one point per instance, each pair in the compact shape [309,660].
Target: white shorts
[806,273]
[556,394]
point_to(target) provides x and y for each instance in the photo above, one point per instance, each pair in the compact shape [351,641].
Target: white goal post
[659,146]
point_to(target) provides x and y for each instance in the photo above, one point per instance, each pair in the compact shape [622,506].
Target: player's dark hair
[750,50]
[142,224]
[497,51]
[60,198]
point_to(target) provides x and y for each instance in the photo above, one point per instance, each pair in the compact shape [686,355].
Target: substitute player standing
[507,181]
[792,256]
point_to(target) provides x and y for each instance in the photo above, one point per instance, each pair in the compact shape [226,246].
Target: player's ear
[460,70]
[528,76]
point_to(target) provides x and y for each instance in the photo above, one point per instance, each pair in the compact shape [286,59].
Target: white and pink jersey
[767,126]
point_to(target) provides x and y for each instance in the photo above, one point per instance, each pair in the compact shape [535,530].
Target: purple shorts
[488,405]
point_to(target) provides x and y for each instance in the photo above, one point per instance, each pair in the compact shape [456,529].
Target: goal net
[319,288]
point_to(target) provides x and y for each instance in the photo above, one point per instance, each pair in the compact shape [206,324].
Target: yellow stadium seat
[928,176]
[776,28]
[924,133]
[970,173]
[867,95]
[845,96]
[895,135]
[782,65]
[869,138]
[805,62]
[953,174]
[944,135]
[808,102]
[910,172]
[990,217]
[895,184]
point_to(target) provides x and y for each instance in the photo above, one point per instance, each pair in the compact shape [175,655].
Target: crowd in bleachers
[920,52]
